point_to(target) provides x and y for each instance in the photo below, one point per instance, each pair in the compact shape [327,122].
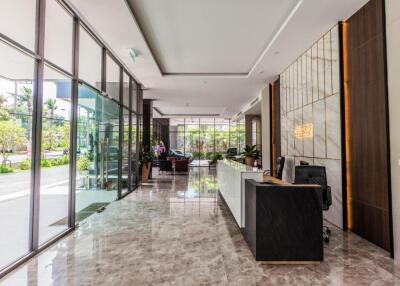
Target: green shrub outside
[25,165]
[5,169]
[83,164]
[46,163]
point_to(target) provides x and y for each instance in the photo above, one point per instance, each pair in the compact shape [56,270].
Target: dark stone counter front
[284,222]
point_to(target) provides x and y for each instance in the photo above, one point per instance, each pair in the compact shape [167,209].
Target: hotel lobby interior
[183,142]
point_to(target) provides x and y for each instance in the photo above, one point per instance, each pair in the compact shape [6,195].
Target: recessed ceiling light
[261,72]
[276,53]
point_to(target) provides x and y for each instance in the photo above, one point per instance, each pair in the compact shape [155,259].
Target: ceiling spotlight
[261,72]
[276,53]
[133,54]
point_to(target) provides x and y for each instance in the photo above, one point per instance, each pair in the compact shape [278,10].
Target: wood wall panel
[366,120]
[275,123]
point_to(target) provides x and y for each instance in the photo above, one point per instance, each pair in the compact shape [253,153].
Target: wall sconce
[304,131]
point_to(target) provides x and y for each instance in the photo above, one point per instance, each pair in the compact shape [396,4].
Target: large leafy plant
[251,152]
[146,157]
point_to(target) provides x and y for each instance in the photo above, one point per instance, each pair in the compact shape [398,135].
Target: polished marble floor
[175,231]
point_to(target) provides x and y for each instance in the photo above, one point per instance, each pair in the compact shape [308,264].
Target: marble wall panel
[314,71]
[298,142]
[304,78]
[284,136]
[328,64]
[290,132]
[333,134]
[319,129]
[335,60]
[334,175]
[321,69]
[311,94]
[308,142]
[290,89]
[299,85]
[282,93]
[295,91]
[309,77]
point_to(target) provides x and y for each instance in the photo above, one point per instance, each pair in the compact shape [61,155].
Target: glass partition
[54,189]
[125,151]
[58,35]
[205,139]
[28,221]
[16,109]
[134,155]
[222,137]
[112,78]
[17,21]
[90,58]
[97,152]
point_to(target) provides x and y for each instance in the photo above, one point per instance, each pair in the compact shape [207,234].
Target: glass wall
[68,145]
[16,109]
[54,190]
[204,139]
[97,152]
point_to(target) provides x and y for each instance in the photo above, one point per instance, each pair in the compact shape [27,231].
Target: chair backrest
[314,175]
[280,164]
[308,174]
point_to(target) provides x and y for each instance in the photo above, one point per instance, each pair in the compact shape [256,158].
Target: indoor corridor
[175,230]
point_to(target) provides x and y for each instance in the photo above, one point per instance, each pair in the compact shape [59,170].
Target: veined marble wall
[310,96]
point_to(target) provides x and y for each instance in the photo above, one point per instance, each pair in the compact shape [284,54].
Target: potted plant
[146,160]
[83,165]
[251,154]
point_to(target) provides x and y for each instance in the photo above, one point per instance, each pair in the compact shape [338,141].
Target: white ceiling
[208,36]
[249,42]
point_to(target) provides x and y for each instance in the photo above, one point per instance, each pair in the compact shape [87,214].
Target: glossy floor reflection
[175,231]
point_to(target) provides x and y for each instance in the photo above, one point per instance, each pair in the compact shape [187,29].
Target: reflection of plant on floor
[204,184]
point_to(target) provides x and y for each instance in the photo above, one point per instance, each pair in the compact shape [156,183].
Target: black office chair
[316,175]
[165,165]
[280,164]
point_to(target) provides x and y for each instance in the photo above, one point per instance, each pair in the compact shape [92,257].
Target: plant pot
[249,161]
[146,172]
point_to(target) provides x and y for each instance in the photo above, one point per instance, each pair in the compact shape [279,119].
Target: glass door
[97,152]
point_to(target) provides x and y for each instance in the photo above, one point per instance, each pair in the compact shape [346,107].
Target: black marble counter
[283,223]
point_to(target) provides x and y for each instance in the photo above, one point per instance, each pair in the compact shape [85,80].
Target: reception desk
[283,222]
[231,179]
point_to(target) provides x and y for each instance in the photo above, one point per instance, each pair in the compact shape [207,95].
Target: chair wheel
[328,231]
[326,239]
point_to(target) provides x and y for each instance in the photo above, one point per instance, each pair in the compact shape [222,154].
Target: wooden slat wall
[366,121]
[275,123]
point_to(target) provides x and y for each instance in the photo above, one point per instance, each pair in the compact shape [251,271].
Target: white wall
[265,124]
[393,50]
